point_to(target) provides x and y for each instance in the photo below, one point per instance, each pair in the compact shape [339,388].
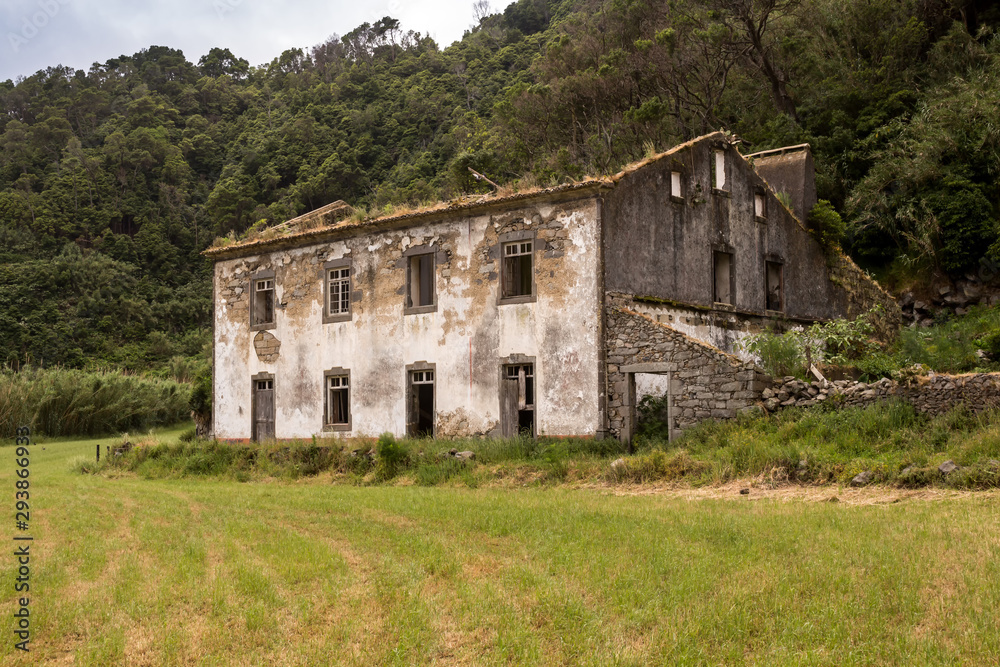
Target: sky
[35,34]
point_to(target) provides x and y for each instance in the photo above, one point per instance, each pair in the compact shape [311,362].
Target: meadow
[210,571]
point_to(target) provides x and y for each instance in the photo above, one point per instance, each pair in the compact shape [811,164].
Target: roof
[336,220]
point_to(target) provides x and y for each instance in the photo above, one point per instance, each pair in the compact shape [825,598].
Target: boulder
[863,478]
[947,468]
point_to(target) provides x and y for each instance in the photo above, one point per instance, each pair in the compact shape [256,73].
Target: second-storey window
[338,291]
[263,302]
[517,269]
[421,281]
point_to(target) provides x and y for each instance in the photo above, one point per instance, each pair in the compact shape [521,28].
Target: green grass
[826,445]
[128,570]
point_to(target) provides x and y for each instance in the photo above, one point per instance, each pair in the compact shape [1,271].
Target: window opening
[723,270]
[720,169]
[775,287]
[263,301]
[421,291]
[338,400]
[339,291]
[675,184]
[517,273]
[420,422]
[759,207]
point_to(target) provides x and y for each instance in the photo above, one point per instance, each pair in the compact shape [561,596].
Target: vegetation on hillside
[112,180]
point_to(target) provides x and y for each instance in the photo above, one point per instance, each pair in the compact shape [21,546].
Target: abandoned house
[546,312]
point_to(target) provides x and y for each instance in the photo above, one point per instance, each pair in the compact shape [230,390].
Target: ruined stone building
[533,311]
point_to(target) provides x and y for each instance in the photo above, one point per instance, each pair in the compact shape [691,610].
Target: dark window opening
[338,400]
[420,421]
[775,287]
[518,400]
[421,281]
[517,269]
[263,302]
[723,272]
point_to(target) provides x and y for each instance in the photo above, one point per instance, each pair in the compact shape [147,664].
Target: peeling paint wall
[466,337]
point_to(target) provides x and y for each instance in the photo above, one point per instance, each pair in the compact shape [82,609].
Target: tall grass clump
[60,402]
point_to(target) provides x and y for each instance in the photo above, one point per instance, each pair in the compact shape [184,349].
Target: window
[420,403]
[262,301]
[337,290]
[775,286]
[420,281]
[675,185]
[337,411]
[723,273]
[759,205]
[517,269]
[719,182]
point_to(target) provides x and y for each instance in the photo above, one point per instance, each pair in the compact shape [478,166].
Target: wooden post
[98,452]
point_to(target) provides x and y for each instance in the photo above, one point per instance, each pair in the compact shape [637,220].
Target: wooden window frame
[339,373]
[267,274]
[408,257]
[335,264]
[505,240]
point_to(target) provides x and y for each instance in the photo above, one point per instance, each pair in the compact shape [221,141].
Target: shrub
[390,457]
[826,225]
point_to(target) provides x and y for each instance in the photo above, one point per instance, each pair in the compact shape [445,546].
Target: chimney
[789,170]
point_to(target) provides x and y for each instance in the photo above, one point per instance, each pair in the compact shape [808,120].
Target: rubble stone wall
[706,383]
[931,394]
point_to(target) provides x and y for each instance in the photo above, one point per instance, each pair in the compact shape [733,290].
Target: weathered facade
[533,311]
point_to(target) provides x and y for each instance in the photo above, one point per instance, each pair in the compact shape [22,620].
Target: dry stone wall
[706,382]
[863,294]
[931,394]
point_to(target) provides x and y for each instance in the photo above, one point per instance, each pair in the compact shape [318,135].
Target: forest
[113,180]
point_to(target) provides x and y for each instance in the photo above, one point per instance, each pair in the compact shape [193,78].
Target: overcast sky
[35,34]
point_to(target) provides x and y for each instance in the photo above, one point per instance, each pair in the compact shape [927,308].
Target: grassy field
[135,571]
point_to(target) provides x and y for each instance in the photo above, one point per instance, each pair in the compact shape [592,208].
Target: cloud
[35,34]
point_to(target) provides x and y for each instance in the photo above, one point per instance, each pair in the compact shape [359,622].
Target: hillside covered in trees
[113,180]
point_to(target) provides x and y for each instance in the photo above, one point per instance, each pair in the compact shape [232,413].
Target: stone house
[534,311]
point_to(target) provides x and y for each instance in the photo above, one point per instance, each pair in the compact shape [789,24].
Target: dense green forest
[113,180]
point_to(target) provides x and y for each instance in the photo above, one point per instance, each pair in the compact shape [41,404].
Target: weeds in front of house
[805,446]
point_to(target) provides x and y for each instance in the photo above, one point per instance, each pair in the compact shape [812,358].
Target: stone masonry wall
[931,394]
[706,382]
[863,293]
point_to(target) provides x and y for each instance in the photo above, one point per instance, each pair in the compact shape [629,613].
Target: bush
[390,457]
[826,225]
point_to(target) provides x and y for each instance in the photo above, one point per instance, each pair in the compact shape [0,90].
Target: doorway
[420,404]
[517,400]
[263,407]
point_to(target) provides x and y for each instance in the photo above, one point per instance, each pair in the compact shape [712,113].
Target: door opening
[517,399]
[420,417]
[263,409]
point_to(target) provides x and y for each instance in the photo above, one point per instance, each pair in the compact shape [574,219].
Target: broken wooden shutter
[412,406]
[509,394]
[521,392]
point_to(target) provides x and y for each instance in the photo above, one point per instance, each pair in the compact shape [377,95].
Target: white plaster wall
[466,338]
